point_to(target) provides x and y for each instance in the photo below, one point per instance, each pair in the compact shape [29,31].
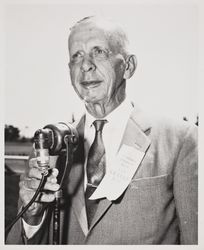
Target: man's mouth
[91,84]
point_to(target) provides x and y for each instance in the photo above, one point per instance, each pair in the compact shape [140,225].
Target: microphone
[51,140]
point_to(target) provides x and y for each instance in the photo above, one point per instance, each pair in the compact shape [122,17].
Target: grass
[18,148]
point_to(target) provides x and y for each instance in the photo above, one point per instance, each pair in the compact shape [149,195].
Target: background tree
[11,133]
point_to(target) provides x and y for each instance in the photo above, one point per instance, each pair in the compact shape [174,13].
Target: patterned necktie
[95,168]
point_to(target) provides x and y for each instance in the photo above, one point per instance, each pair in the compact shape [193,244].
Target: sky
[163,36]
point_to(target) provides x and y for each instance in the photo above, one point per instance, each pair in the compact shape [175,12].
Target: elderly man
[133,178]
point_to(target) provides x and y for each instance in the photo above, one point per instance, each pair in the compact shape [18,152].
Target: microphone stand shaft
[56,218]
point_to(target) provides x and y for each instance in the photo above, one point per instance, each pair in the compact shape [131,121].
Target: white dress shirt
[112,135]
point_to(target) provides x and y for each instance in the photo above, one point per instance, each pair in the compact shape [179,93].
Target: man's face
[96,65]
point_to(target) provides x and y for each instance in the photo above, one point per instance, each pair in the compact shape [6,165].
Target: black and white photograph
[101,120]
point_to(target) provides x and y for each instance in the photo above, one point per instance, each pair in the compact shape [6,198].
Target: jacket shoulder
[172,133]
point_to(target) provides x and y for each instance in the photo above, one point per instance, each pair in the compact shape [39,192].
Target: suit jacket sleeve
[185,188]
[17,234]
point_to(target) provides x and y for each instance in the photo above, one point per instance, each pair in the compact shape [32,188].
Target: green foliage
[11,133]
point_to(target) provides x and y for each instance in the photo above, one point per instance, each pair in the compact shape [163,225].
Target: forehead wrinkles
[114,37]
[87,39]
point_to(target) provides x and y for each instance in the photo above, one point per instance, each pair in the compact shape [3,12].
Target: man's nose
[87,65]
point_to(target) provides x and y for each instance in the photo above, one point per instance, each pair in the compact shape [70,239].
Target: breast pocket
[150,194]
[151,182]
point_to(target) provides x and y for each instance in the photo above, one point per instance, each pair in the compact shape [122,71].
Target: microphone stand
[58,195]
[56,218]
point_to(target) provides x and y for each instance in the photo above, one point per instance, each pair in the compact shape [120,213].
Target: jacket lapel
[103,206]
[134,136]
[76,180]
[135,132]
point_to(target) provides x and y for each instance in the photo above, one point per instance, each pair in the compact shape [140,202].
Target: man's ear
[131,64]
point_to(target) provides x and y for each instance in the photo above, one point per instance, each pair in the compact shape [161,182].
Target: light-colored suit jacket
[159,205]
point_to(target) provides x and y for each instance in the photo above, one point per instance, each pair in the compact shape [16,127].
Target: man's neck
[101,110]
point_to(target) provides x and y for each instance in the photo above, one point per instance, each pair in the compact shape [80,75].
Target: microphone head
[42,143]
[60,131]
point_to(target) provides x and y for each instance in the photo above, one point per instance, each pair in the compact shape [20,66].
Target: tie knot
[98,124]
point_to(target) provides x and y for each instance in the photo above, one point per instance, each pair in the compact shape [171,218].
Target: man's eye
[99,52]
[76,57]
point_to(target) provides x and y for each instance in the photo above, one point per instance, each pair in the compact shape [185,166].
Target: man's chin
[93,99]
